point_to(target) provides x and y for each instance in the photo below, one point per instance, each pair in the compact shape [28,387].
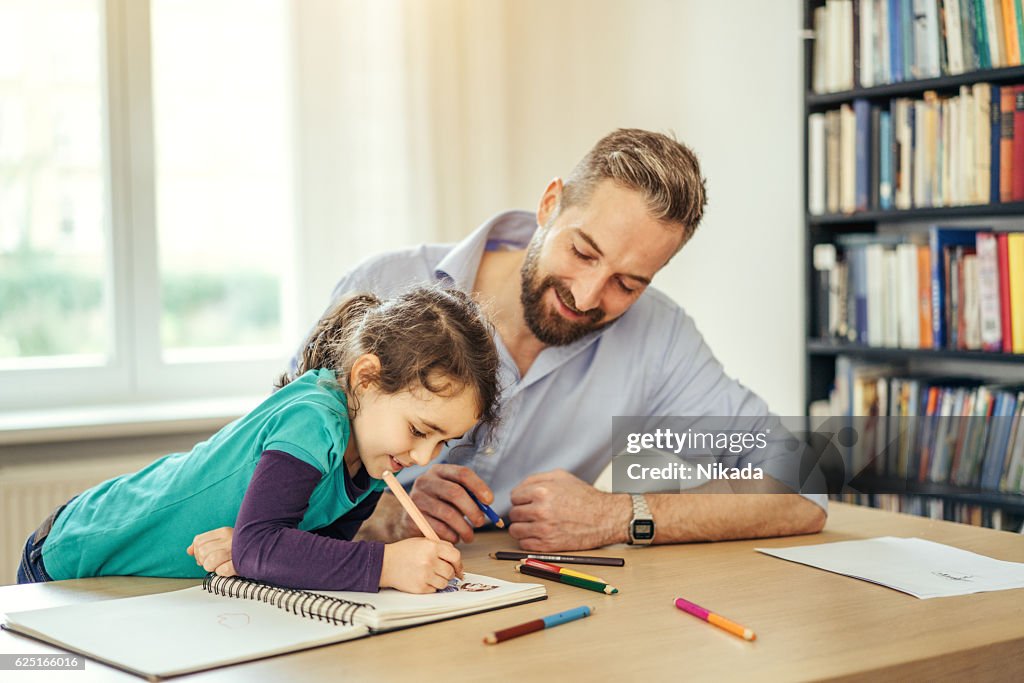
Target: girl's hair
[427,336]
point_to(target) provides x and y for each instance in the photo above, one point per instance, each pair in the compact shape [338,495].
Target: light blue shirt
[651,361]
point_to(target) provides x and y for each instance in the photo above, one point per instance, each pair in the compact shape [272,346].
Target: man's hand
[212,550]
[419,565]
[556,511]
[440,494]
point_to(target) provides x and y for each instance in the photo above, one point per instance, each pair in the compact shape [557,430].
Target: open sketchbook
[231,620]
[924,569]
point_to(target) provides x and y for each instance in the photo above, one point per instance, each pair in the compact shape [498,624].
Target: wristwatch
[641,527]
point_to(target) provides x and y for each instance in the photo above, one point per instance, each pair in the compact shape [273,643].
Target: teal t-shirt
[140,524]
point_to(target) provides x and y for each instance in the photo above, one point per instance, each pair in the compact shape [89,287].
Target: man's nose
[587,293]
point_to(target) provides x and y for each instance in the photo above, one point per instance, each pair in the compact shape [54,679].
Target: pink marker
[716,619]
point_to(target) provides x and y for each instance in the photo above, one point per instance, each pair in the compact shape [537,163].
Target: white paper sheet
[924,569]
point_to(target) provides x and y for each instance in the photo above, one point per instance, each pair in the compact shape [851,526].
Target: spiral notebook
[230,620]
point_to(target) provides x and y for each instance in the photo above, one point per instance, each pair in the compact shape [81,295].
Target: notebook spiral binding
[299,602]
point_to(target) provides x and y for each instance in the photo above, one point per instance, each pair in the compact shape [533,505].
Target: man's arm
[556,512]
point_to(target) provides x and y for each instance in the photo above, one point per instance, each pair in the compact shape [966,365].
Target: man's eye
[415,432]
[580,255]
[625,288]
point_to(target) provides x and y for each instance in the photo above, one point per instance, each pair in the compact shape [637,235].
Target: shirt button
[489,450]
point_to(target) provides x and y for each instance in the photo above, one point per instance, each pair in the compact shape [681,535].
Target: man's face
[588,264]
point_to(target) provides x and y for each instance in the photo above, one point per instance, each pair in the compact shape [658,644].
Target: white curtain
[400,113]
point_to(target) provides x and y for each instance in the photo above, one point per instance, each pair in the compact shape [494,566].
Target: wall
[726,78]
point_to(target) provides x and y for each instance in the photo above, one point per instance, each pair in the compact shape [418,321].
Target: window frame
[135,371]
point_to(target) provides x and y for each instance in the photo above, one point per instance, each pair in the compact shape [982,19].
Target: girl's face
[392,431]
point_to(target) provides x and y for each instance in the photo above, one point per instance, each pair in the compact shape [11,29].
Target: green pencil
[567,579]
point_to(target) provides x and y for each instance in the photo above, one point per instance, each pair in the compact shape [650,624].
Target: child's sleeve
[268,546]
[346,526]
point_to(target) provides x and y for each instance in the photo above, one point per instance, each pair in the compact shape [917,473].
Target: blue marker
[491,514]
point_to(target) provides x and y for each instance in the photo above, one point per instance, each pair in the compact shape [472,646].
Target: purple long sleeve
[268,546]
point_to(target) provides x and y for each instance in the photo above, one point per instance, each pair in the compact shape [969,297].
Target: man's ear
[550,202]
[364,373]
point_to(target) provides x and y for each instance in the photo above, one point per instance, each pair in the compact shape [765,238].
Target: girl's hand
[419,565]
[212,551]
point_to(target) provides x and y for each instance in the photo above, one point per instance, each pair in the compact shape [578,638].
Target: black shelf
[1010,74]
[1011,502]
[1011,209]
[825,347]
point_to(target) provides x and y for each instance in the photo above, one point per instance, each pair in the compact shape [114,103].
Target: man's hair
[428,336]
[664,171]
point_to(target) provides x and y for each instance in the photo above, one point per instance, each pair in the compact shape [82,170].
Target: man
[582,337]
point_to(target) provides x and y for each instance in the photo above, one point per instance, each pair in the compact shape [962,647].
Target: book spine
[896,40]
[969,35]
[862,137]
[886,161]
[909,47]
[1015,262]
[1018,16]
[1018,144]
[993,25]
[1010,34]
[1007,105]
[816,164]
[995,141]
[924,297]
[988,292]
[981,36]
[954,36]
[1004,293]
[875,159]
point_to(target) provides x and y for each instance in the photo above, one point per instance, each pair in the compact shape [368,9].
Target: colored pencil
[410,507]
[535,625]
[564,559]
[541,564]
[565,578]
[486,509]
[716,619]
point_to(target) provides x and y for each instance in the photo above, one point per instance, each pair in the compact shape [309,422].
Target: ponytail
[332,335]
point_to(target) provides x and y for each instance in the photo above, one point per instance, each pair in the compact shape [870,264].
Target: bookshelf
[999,508]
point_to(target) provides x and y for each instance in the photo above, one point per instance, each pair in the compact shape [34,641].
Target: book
[988,292]
[816,164]
[230,620]
[939,240]
[1015,262]
[1004,292]
[1006,135]
[1017,164]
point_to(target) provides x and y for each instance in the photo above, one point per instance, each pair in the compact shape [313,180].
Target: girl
[381,386]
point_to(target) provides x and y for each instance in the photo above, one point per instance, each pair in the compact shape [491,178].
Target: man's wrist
[620,506]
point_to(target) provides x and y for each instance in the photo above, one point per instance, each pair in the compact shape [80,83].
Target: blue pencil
[491,514]
[539,624]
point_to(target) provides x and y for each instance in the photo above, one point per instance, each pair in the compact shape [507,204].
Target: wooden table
[810,624]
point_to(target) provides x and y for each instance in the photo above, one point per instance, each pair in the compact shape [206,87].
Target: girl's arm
[268,546]
[346,526]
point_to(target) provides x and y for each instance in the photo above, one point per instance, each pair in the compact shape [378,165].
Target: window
[147,220]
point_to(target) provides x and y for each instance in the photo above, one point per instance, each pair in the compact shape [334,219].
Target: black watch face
[643,530]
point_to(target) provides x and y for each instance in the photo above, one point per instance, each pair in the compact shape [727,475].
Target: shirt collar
[507,230]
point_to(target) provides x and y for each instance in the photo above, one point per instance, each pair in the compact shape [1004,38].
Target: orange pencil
[410,507]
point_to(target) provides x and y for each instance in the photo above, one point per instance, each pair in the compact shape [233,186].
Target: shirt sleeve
[697,386]
[268,546]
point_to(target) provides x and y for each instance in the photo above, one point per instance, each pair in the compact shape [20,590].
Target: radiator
[28,493]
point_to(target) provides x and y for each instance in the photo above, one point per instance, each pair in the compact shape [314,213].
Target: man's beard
[548,326]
